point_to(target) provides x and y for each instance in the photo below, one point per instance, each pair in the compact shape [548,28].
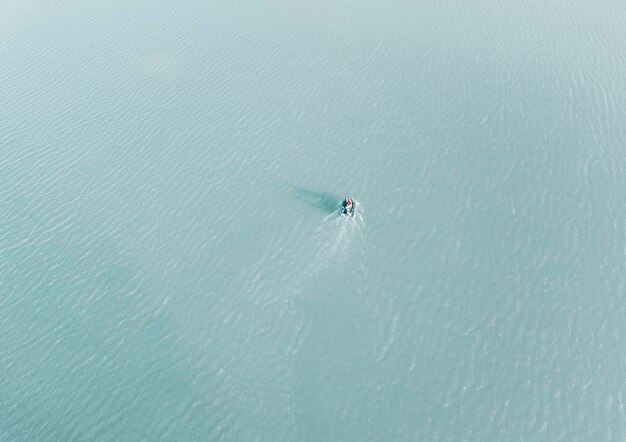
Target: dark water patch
[327,202]
[85,338]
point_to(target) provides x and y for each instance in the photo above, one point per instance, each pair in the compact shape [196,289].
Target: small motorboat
[349,207]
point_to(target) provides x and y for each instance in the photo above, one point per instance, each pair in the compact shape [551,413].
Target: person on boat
[348,206]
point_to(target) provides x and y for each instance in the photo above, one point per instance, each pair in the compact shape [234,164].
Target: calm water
[171,267]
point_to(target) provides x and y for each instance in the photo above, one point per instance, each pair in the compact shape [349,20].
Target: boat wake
[336,240]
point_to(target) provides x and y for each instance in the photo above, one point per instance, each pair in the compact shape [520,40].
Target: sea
[174,266]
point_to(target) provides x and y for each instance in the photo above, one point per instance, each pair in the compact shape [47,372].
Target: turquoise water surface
[172,266]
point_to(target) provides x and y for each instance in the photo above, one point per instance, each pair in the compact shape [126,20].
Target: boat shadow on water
[327,202]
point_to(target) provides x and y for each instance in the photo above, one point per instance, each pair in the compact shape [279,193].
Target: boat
[349,207]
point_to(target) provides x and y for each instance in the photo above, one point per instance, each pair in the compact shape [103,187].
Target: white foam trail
[335,238]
